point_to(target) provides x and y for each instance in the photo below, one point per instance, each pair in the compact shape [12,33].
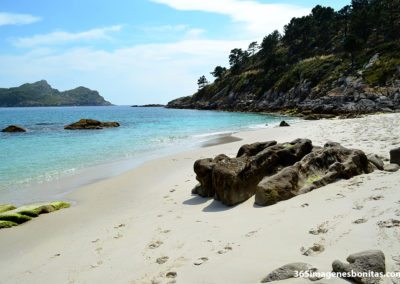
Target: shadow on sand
[213,206]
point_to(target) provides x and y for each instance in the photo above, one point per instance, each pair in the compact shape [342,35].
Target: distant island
[328,62]
[42,94]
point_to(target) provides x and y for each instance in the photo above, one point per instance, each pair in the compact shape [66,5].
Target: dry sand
[121,227]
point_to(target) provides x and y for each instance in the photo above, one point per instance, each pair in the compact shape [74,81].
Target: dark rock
[376,161]
[249,150]
[395,156]
[287,271]
[317,169]
[391,168]
[284,124]
[13,129]
[367,261]
[234,180]
[90,124]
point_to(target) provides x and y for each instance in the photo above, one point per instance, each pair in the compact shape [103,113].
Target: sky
[133,51]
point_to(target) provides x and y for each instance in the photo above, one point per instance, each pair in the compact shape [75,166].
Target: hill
[332,62]
[42,94]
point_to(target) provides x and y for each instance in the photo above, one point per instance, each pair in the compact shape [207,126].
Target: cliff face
[42,94]
[329,62]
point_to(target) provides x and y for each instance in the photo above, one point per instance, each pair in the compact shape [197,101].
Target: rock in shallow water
[14,129]
[90,124]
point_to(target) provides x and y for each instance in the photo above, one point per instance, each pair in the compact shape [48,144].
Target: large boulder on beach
[288,271]
[234,180]
[14,129]
[90,124]
[318,168]
[371,261]
[395,156]
[283,124]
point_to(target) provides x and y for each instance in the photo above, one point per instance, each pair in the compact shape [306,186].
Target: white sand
[105,238]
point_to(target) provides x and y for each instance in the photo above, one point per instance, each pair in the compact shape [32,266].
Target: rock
[6,207]
[283,124]
[13,129]
[7,224]
[395,156]
[318,168]
[391,168]
[311,117]
[249,150]
[367,261]
[234,180]
[376,161]
[90,124]
[14,217]
[26,213]
[287,271]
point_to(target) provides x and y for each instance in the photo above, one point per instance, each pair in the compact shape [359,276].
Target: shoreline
[120,226]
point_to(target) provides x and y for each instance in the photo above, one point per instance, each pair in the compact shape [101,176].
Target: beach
[119,228]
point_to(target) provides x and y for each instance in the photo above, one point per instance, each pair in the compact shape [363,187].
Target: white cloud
[145,73]
[62,37]
[166,28]
[259,18]
[17,19]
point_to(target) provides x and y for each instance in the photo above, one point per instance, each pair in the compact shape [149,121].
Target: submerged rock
[14,129]
[90,124]
[319,168]
[366,261]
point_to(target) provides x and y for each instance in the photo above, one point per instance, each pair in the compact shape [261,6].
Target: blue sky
[132,52]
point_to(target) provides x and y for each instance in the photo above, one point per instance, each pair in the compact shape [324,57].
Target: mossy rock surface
[7,224]
[60,205]
[35,210]
[14,217]
[6,207]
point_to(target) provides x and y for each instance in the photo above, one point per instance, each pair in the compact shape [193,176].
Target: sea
[47,162]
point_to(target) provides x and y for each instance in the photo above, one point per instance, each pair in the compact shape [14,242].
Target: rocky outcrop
[288,271]
[13,129]
[90,124]
[234,180]
[274,172]
[372,261]
[395,156]
[12,216]
[317,169]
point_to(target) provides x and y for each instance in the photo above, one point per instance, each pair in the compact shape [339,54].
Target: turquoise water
[47,152]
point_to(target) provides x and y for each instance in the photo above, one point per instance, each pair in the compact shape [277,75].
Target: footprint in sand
[375,198]
[119,226]
[225,250]
[162,259]
[312,251]
[200,261]
[118,236]
[305,205]
[321,229]
[172,190]
[155,244]
[249,234]
[360,221]
[389,223]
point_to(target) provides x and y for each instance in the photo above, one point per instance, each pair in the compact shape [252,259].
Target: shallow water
[48,153]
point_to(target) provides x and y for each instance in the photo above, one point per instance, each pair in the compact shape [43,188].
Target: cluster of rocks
[83,124]
[274,172]
[346,95]
[365,267]
[11,216]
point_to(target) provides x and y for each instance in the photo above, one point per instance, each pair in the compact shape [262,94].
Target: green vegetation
[6,207]
[14,217]
[7,224]
[312,179]
[317,49]
[42,94]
